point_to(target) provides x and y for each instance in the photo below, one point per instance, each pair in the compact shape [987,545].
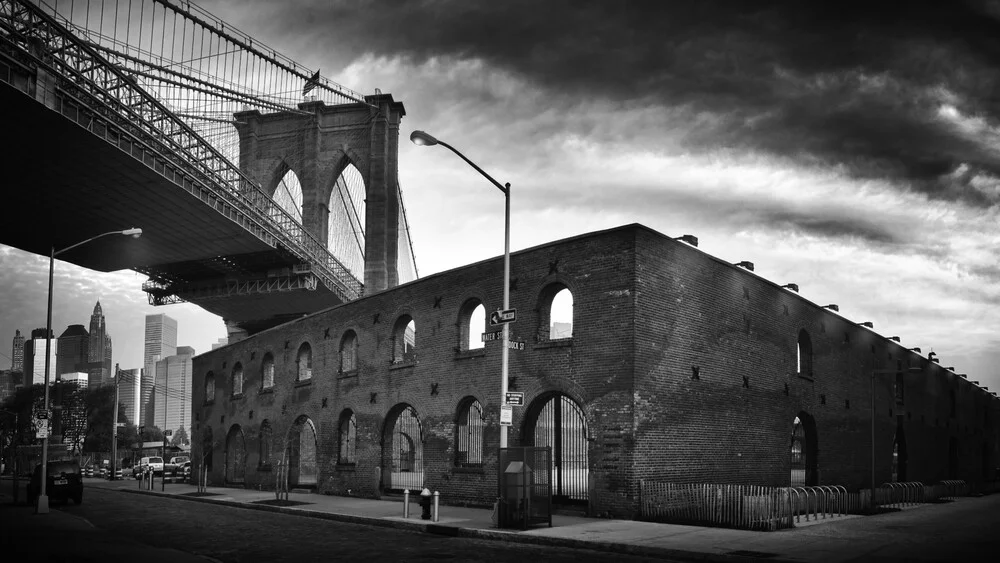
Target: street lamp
[43,500]
[421,139]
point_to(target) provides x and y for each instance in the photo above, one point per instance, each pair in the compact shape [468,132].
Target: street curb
[477,533]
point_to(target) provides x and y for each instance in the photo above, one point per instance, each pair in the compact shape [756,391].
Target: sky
[850,149]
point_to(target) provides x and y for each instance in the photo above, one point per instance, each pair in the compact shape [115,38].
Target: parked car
[179,459]
[63,481]
[154,463]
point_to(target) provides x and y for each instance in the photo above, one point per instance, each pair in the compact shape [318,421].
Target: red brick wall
[647,310]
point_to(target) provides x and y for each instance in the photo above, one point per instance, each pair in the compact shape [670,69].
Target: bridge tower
[317,143]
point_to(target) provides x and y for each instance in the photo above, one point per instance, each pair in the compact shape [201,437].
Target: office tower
[72,350]
[146,410]
[17,353]
[172,391]
[99,354]
[160,342]
[128,393]
[34,358]
[79,378]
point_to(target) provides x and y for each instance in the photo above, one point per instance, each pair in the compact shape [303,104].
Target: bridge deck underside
[67,184]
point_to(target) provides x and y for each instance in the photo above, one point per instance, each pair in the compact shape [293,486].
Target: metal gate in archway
[561,425]
[402,453]
[236,455]
[300,453]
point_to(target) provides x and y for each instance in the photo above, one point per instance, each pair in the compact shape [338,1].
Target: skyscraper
[128,393]
[160,342]
[72,351]
[99,354]
[34,358]
[17,353]
[172,391]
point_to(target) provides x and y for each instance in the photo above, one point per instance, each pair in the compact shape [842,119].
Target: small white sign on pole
[506,415]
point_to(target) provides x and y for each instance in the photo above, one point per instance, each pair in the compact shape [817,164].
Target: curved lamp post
[422,139]
[43,500]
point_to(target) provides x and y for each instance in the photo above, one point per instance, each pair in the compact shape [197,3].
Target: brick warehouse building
[678,367]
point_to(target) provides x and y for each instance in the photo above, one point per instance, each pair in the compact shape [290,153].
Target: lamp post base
[43,505]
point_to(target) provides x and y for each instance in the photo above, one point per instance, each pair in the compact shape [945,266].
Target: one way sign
[500,317]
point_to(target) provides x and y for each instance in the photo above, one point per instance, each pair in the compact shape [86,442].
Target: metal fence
[753,507]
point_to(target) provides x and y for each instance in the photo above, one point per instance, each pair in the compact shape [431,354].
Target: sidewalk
[824,541]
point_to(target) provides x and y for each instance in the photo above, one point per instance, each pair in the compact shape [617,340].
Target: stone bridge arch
[317,143]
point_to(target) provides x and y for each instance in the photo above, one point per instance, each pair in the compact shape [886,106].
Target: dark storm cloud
[852,84]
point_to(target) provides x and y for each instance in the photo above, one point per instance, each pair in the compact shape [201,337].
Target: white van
[153,462]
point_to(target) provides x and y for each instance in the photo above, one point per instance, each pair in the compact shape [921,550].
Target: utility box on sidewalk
[525,495]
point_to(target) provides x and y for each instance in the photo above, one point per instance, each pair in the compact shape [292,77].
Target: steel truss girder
[178,293]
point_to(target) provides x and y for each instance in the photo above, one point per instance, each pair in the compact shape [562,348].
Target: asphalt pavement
[963,530]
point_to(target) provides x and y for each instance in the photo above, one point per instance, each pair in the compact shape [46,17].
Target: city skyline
[868,175]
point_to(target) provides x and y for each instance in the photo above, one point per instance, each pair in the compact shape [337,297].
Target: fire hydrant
[425,504]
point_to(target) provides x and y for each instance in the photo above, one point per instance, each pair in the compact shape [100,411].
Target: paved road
[137,523]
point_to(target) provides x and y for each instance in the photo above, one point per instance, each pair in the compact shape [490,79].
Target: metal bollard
[406,503]
[437,498]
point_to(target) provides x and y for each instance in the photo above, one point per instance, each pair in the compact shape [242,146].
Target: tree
[180,438]
[151,434]
[73,416]
[100,403]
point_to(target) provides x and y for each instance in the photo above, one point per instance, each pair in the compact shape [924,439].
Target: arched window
[237,385]
[804,353]
[803,452]
[404,340]
[471,324]
[265,444]
[348,352]
[209,387]
[305,362]
[469,434]
[267,372]
[556,313]
[347,434]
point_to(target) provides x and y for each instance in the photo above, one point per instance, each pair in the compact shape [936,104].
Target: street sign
[120,425]
[506,415]
[500,317]
[42,431]
[490,336]
[515,345]
[515,398]
[168,433]
[41,415]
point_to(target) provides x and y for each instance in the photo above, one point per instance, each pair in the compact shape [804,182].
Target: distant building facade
[172,391]
[72,350]
[129,383]
[99,353]
[160,342]
[17,352]
[34,357]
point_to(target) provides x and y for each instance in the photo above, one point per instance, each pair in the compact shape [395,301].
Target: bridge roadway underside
[63,184]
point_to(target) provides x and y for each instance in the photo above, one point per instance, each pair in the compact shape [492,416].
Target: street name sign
[490,336]
[515,398]
[506,415]
[515,345]
[500,317]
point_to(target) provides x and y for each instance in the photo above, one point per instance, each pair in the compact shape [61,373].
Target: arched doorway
[899,456]
[803,452]
[300,453]
[558,422]
[236,455]
[402,450]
